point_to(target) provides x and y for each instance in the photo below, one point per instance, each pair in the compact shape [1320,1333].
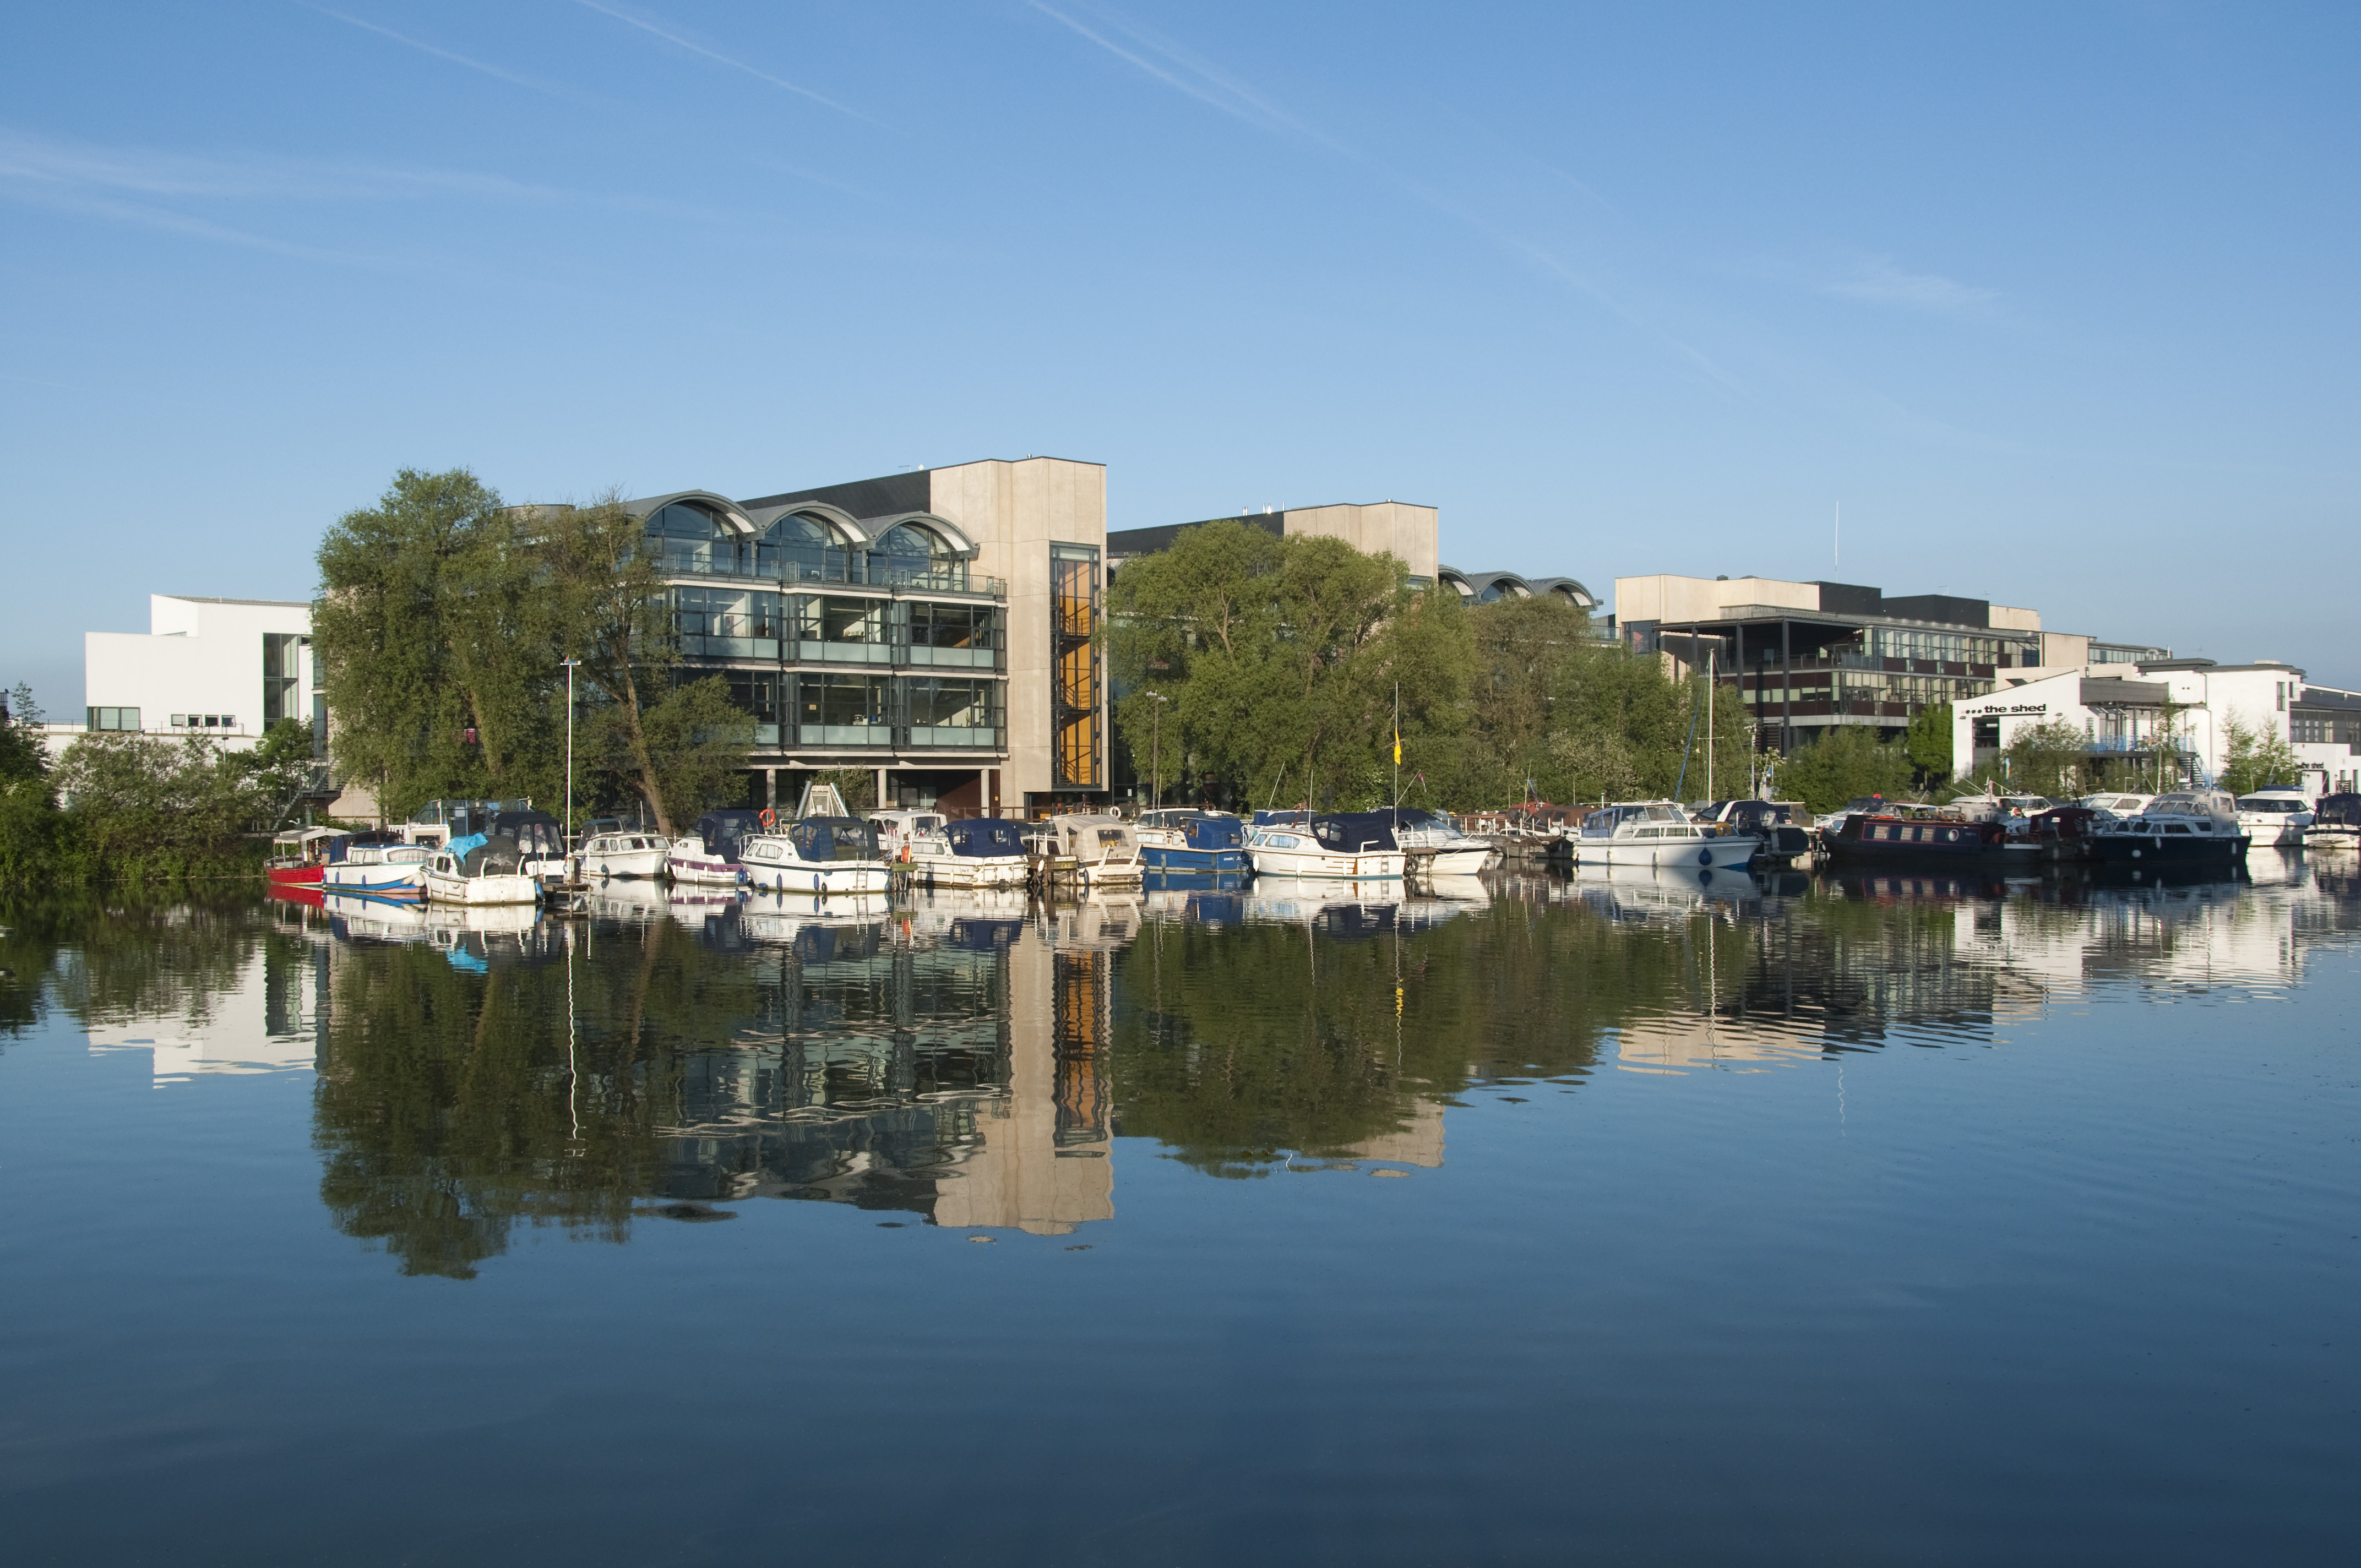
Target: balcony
[822,568]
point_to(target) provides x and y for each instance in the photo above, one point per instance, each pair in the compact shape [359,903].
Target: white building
[228,669]
[2123,711]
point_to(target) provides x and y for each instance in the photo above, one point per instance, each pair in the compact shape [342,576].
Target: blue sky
[2055,301]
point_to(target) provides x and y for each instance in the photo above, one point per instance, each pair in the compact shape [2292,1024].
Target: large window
[955,635]
[726,623]
[281,668]
[692,542]
[756,694]
[844,710]
[112,718]
[953,712]
[908,553]
[1075,664]
[834,631]
[806,549]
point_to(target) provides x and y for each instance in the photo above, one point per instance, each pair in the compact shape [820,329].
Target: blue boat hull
[1167,859]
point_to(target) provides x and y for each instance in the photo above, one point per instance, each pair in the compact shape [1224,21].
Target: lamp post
[1155,748]
[570,666]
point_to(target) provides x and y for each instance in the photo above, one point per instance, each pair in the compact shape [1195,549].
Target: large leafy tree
[675,746]
[2256,756]
[1848,762]
[437,644]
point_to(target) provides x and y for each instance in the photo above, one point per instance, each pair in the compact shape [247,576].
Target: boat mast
[1708,720]
[1398,745]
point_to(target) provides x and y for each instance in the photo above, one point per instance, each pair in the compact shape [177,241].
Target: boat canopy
[985,836]
[834,839]
[1279,818]
[536,832]
[1209,832]
[723,831]
[481,854]
[2339,810]
[1355,832]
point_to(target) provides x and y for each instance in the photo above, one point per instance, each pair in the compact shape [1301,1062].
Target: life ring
[770,818]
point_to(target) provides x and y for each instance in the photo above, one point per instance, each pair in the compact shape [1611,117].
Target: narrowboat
[1874,838]
[1184,838]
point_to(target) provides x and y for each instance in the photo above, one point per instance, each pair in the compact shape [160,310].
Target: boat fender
[1705,857]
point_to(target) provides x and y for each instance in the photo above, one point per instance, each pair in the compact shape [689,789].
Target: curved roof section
[962,545]
[1483,587]
[834,517]
[1567,589]
[722,507]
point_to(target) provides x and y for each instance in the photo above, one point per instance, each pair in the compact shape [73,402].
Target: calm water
[1630,1221]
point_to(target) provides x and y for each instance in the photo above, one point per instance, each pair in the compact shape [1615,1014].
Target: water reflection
[973,1059]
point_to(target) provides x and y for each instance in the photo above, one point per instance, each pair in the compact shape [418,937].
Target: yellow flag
[1398,748]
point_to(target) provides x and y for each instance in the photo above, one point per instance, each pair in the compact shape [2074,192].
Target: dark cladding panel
[1851,598]
[1940,609]
[889,497]
[1125,543]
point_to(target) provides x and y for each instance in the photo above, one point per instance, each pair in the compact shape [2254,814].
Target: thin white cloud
[1187,73]
[511,77]
[1878,281]
[30,160]
[674,38]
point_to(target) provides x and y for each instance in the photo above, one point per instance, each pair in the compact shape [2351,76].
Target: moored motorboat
[974,851]
[2275,815]
[1438,845]
[1352,845]
[1782,829]
[479,869]
[377,863]
[1185,839]
[1651,833]
[898,829]
[1917,836]
[1099,848]
[707,856]
[816,854]
[2194,826]
[617,854]
[299,857]
[2335,823]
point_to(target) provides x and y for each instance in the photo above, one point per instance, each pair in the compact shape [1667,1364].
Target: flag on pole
[1398,745]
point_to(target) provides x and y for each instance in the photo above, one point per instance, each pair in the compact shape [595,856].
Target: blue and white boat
[1353,846]
[379,864]
[972,851]
[1184,838]
[1651,833]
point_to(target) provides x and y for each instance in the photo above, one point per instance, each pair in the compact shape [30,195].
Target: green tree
[1848,762]
[2256,756]
[677,746]
[144,805]
[1928,743]
[437,645]
[22,755]
[2046,758]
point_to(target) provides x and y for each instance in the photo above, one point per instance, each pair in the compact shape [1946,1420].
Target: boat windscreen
[2340,810]
[834,839]
[724,831]
[1355,832]
[985,836]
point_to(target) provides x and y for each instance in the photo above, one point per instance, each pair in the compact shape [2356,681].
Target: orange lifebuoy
[770,818]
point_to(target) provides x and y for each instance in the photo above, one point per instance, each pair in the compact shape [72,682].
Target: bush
[1847,763]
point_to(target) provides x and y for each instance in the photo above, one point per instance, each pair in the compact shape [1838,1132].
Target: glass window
[844,710]
[907,553]
[806,549]
[113,719]
[692,540]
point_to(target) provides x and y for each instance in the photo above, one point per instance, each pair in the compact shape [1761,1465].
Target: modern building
[228,669]
[1488,587]
[2125,710]
[937,627]
[1806,657]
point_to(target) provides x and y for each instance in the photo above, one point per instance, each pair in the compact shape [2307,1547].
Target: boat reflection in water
[970,1057]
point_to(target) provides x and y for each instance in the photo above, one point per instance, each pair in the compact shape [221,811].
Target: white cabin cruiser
[379,864]
[2274,815]
[479,869]
[620,854]
[1353,846]
[2116,802]
[708,857]
[1103,848]
[974,851]
[2336,823]
[1653,833]
[1437,840]
[816,854]
[897,830]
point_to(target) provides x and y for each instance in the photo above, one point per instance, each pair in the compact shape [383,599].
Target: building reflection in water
[970,1059]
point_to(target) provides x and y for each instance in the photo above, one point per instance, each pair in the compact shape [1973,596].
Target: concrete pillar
[884,800]
[771,788]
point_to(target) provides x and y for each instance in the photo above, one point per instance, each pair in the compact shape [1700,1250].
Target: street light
[1155,748]
[570,667]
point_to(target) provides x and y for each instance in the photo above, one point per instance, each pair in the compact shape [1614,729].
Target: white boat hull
[701,870]
[2332,837]
[819,876]
[1463,859]
[1376,865]
[620,863]
[483,890]
[1701,853]
[2267,829]
[969,871]
[384,882]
